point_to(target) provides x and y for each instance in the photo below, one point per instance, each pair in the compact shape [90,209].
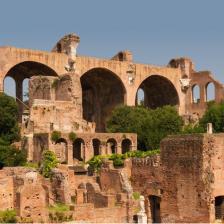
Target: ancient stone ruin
[69,93]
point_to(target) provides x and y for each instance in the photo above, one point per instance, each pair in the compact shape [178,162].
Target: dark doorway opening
[155,208]
[219,207]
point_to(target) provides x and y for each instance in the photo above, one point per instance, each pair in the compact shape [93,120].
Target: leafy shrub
[72,136]
[215,115]
[59,213]
[96,162]
[118,162]
[55,83]
[50,161]
[136,195]
[118,159]
[8,216]
[191,129]
[55,136]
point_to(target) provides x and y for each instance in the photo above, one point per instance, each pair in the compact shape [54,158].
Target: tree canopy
[151,126]
[215,115]
[9,130]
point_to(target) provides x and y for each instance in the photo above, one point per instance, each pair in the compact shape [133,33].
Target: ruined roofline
[31,50]
[78,56]
[35,51]
[126,62]
[210,74]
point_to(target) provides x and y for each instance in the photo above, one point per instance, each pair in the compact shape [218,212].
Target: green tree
[151,126]
[9,130]
[11,156]
[215,115]
[166,121]
[127,119]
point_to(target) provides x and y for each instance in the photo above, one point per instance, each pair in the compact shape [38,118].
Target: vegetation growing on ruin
[215,115]
[59,207]
[150,125]
[8,216]
[55,83]
[136,195]
[96,162]
[49,162]
[72,136]
[59,213]
[55,136]
[31,165]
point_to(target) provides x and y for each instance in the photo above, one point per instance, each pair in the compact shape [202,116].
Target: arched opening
[140,98]
[158,92]
[96,146]
[210,92]
[126,145]
[102,91]
[154,202]
[90,193]
[196,94]
[78,149]
[61,149]
[10,86]
[26,91]
[111,146]
[219,207]
[25,70]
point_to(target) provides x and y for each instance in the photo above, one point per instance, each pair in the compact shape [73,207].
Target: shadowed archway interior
[102,91]
[24,71]
[158,92]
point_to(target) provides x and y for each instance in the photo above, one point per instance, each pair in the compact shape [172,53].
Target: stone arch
[140,97]
[111,146]
[158,91]
[90,193]
[27,69]
[102,91]
[196,94]
[61,149]
[96,146]
[79,149]
[9,86]
[210,91]
[126,145]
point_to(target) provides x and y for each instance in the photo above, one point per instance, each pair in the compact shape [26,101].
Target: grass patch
[31,165]
[8,216]
[59,207]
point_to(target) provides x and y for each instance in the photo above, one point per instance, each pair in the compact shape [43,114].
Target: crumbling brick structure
[74,94]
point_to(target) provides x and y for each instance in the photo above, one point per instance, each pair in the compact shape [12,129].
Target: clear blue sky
[154,30]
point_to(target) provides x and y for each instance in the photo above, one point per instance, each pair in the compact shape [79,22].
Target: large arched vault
[158,91]
[102,91]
